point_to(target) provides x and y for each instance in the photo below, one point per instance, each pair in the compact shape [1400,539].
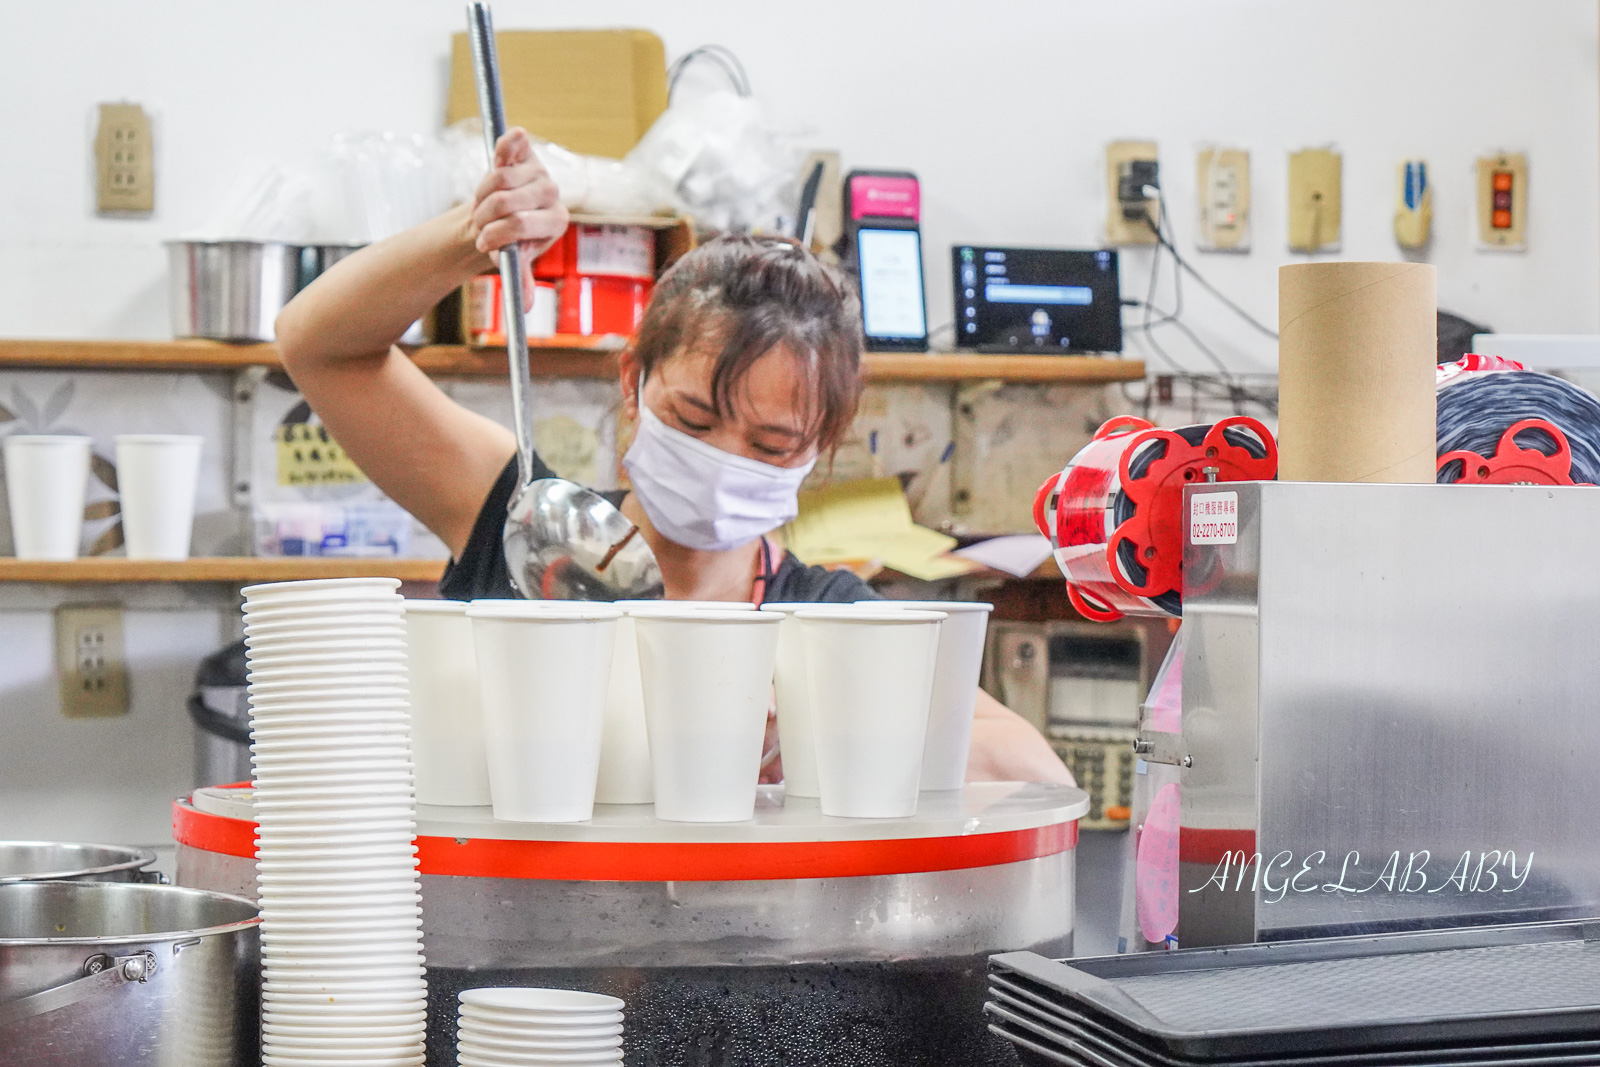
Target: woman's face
[769,412]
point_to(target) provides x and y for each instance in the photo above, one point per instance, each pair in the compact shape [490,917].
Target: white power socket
[90,662]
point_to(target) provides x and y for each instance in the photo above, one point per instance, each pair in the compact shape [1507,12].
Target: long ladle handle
[492,108]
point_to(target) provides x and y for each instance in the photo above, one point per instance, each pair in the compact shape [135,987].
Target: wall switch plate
[1315,200]
[1413,211]
[1222,177]
[1124,160]
[90,662]
[124,161]
[1503,202]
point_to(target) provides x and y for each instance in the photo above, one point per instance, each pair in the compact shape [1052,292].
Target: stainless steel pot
[230,290]
[96,973]
[39,861]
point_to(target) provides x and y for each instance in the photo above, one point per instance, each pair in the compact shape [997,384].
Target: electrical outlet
[1315,200]
[1131,216]
[1222,176]
[90,663]
[125,176]
[1503,203]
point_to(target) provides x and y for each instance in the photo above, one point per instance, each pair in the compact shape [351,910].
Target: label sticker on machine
[1214,518]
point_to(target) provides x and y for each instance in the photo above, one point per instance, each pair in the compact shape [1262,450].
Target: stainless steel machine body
[1388,715]
[96,974]
[791,938]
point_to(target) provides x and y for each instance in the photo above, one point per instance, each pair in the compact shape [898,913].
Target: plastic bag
[719,157]
[589,185]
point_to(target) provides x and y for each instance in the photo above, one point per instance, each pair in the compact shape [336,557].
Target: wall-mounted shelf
[230,570]
[556,362]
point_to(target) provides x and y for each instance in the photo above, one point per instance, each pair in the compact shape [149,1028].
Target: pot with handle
[99,973]
[49,861]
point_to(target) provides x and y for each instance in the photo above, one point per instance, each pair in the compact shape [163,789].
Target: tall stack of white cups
[341,938]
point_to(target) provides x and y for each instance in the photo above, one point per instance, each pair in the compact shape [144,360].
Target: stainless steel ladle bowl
[562,541]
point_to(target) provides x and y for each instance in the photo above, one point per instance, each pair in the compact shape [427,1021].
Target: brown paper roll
[1356,354]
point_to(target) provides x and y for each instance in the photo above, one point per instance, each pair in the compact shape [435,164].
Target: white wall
[1001,108]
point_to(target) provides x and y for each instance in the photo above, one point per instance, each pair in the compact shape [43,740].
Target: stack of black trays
[1504,995]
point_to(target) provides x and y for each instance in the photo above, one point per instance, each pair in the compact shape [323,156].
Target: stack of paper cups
[507,1027]
[341,937]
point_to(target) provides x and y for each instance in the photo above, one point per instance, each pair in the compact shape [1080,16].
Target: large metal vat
[96,973]
[793,939]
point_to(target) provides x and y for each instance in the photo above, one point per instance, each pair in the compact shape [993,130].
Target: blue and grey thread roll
[1476,412]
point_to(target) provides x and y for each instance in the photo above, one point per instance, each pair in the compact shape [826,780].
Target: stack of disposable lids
[517,1027]
[341,937]
[1516,994]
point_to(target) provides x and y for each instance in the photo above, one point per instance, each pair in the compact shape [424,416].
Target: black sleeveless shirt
[481,574]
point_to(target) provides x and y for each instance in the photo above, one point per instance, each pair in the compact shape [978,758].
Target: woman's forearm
[365,302]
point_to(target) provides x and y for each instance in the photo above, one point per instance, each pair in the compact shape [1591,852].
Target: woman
[745,369]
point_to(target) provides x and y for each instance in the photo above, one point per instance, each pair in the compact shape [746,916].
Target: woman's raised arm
[337,339]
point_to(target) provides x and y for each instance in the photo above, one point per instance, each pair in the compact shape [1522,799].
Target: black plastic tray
[1034,1052]
[1016,1009]
[1380,993]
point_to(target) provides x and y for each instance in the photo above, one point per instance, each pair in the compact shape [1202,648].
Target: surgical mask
[701,497]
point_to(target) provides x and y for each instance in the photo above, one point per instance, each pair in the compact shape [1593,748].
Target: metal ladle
[562,541]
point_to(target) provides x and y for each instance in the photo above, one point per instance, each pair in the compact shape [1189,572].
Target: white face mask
[702,497]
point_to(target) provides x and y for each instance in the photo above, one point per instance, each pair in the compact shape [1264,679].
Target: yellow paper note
[869,519]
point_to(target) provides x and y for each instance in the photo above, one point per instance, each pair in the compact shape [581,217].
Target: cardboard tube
[1356,356]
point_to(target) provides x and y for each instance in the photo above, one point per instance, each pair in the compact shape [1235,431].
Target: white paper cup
[707,678]
[792,686]
[542,1041]
[446,719]
[337,1046]
[625,776]
[271,1057]
[354,585]
[47,478]
[342,914]
[564,1029]
[871,680]
[955,688]
[311,1028]
[555,1059]
[536,1051]
[538,1042]
[537,1001]
[542,679]
[633,607]
[157,475]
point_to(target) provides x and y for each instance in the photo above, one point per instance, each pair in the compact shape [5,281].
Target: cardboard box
[593,91]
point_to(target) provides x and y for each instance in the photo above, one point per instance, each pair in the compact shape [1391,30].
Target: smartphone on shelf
[883,212]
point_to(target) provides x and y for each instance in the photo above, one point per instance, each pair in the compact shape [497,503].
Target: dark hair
[741,297]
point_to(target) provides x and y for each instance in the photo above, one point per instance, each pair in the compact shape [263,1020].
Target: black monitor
[1036,299]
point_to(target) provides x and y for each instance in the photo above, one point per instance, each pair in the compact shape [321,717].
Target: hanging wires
[1224,384]
[722,56]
